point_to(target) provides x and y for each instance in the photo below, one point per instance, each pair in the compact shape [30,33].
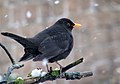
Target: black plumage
[53,43]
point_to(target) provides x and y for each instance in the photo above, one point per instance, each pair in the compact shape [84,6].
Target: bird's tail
[26,56]
[23,41]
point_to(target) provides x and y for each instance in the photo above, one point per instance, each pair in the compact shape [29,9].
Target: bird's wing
[53,46]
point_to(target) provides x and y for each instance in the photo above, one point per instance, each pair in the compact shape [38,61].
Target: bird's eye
[68,24]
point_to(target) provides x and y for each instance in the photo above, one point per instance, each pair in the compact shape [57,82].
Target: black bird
[53,43]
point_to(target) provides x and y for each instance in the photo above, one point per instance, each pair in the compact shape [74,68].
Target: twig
[72,65]
[9,55]
[11,68]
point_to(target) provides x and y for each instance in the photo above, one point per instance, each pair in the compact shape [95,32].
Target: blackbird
[52,44]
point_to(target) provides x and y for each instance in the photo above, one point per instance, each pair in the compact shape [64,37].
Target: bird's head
[67,23]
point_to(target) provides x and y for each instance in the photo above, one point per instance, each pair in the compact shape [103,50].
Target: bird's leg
[47,68]
[60,67]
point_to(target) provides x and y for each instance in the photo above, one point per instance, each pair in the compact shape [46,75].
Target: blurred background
[97,41]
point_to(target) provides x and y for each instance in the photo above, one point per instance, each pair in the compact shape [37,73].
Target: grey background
[97,41]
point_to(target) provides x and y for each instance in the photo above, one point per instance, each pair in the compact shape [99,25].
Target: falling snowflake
[94,38]
[46,27]
[96,4]
[6,16]
[57,2]
[28,14]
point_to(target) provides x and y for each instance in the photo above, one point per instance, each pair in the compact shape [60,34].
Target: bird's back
[38,38]
[59,37]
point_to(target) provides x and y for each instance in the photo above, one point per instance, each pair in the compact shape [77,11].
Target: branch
[11,68]
[66,75]
[55,74]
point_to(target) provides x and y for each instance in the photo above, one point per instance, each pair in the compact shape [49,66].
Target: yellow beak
[77,25]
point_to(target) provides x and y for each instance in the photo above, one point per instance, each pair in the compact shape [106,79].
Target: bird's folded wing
[54,45]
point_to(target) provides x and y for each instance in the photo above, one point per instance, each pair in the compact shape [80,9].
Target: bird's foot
[49,69]
[61,67]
